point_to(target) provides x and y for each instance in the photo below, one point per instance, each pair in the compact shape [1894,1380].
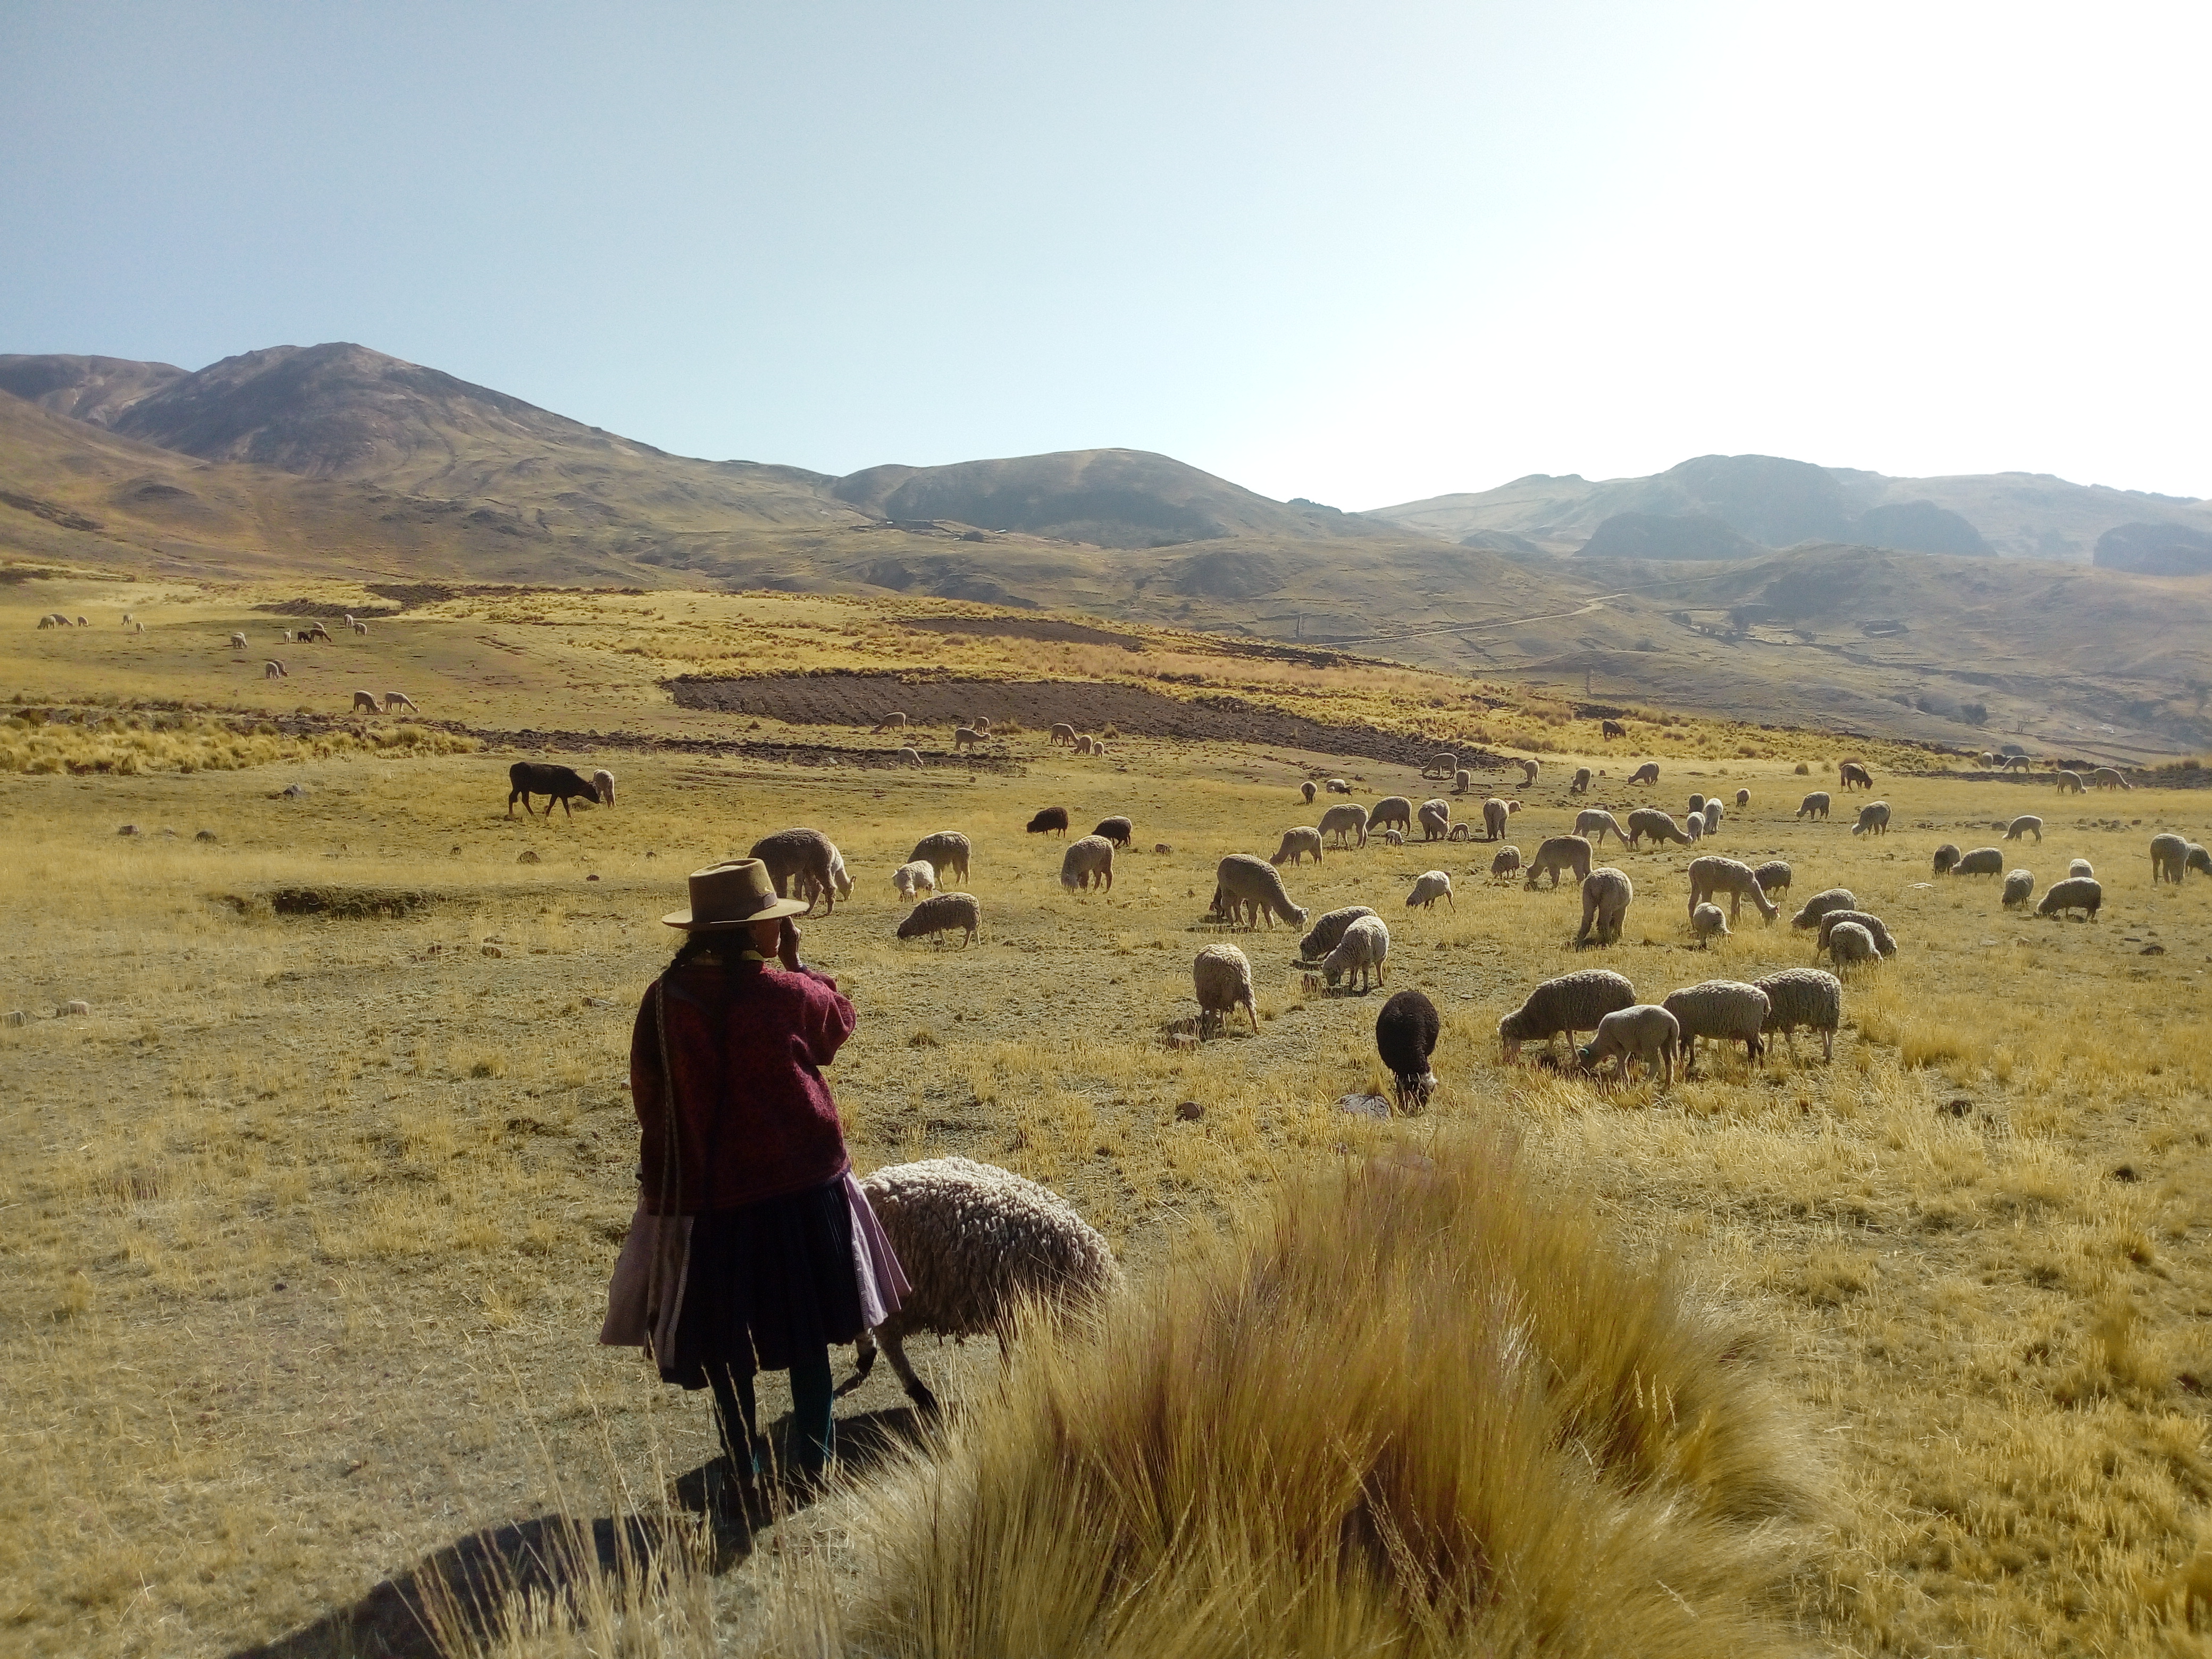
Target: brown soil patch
[865,699]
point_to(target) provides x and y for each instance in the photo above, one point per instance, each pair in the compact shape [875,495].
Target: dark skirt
[764,1282]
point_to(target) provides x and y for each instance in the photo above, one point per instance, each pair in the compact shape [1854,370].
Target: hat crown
[734,890]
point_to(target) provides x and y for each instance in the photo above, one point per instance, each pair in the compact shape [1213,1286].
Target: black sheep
[1405,1037]
[528,778]
[1053,817]
[1117,830]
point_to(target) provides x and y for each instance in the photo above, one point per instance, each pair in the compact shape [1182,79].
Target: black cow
[529,778]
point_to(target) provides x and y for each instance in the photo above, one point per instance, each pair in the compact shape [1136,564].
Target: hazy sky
[1362,254]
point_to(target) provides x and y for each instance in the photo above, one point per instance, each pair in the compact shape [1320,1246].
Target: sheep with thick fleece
[1222,976]
[1347,818]
[2169,857]
[1709,922]
[1328,931]
[1606,895]
[2019,887]
[1742,800]
[1573,1002]
[1405,1041]
[1087,860]
[1808,997]
[1307,790]
[1719,1010]
[1428,887]
[1463,780]
[1582,783]
[1297,844]
[1392,811]
[1814,805]
[1874,819]
[1245,883]
[1877,930]
[1436,820]
[1851,945]
[2080,867]
[1557,853]
[2082,893]
[801,855]
[1660,826]
[1595,823]
[1363,950]
[1119,830]
[604,781]
[1982,861]
[1338,787]
[1646,1032]
[2027,824]
[913,878]
[1506,861]
[945,852]
[1835,898]
[934,917]
[1694,826]
[978,1244]
[1946,859]
[1393,838]
[1712,874]
[1713,817]
[2198,859]
[1698,804]
[1773,876]
[1495,811]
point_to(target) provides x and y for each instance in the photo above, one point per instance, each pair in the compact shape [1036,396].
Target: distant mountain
[1780,503]
[1663,536]
[2156,549]
[94,390]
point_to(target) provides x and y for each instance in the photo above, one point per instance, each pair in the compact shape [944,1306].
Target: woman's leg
[733,1414]
[814,1427]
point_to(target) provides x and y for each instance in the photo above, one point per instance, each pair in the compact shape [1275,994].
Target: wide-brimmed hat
[733,894]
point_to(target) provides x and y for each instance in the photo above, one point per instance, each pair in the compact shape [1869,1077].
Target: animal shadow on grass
[471,1579]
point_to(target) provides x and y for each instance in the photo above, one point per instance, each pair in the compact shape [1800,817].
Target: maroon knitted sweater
[753,1117]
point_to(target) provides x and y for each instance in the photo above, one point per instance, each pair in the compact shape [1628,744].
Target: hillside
[1780,503]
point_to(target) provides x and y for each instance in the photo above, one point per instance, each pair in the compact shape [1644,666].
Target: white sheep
[1436,820]
[604,781]
[1297,844]
[1393,838]
[1528,773]
[1713,817]
[1982,861]
[1222,978]
[1742,800]
[1428,887]
[1506,861]
[967,737]
[1712,875]
[1850,945]
[2080,893]
[1307,790]
[1495,813]
[1571,1003]
[1347,818]
[1463,780]
[1646,1032]
[1693,827]
[1328,931]
[1582,783]
[1806,997]
[913,878]
[273,670]
[1874,819]
[1813,805]
[2198,858]
[1390,810]
[1708,922]
[1606,895]
[1876,929]
[1462,831]
[945,852]
[237,642]
[2019,887]
[980,1245]
[2169,858]
[2026,824]
[1720,1011]
[1363,950]
[1089,859]
[2080,867]
[1834,898]
[935,917]
[1338,787]
[1773,876]
[361,627]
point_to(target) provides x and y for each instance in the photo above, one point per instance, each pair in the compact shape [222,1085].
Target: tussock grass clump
[1415,1407]
[130,746]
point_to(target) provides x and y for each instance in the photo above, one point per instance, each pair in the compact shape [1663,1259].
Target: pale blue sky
[1362,254]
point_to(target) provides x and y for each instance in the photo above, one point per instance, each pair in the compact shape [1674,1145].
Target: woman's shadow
[468,1581]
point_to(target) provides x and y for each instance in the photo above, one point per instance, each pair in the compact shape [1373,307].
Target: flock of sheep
[274,668]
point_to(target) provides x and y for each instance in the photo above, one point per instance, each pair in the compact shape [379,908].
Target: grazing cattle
[561,783]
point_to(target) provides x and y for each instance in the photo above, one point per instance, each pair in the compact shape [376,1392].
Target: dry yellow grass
[1976,1244]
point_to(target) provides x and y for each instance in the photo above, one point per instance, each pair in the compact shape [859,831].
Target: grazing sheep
[1528,773]
[2070,783]
[1660,826]
[1835,898]
[1874,819]
[2019,887]
[1582,783]
[1646,1032]
[1063,732]
[1119,830]
[946,853]
[982,723]
[1851,945]
[1647,773]
[1982,861]
[1405,1039]
[1708,922]
[1713,817]
[364,703]
[2080,893]
[1428,887]
[1607,893]
[1441,765]
[604,781]
[965,737]
[1877,930]
[1571,1003]
[1806,997]
[1297,842]
[1247,885]
[1393,838]
[1742,800]
[359,626]
[1307,790]
[913,878]
[1462,831]
[2169,857]
[1347,818]
[1436,820]
[1495,811]
[1596,822]
[2198,859]
[2106,777]
[1773,876]
[1713,874]
[1052,820]
[2026,824]
[1082,743]
[1391,810]
[1610,729]
[1363,951]
[807,856]
[1328,931]
[46,621]
[273,670]
[1697,805]
[909,757]
[2080,867]
[1851,772]
[561,783]
[1557,853]
[237,641]
[1813,805]
[1946,856]
[1337,787]
[1463,780]
[1694,828]
[1507,862]
[1719,1010]
[978,1245]
[934,917]
[1222,978]
[1088,860]
[399,700]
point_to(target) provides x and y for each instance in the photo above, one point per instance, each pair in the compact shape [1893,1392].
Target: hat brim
[774,910]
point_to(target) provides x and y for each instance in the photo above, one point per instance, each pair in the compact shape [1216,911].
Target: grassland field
[306,1225]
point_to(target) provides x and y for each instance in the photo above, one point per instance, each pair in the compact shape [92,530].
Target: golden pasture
[306,1224]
